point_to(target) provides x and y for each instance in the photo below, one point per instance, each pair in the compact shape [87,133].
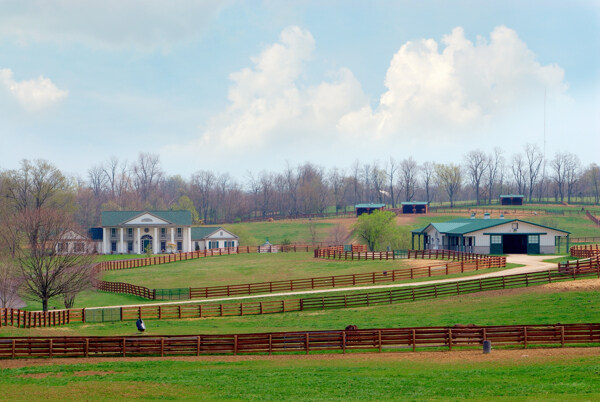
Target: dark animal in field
[464,325]
[352,328]
[140,325]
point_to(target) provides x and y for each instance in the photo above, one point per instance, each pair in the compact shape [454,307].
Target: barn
[368,208]
[414,207]
[511,199]
[490,236]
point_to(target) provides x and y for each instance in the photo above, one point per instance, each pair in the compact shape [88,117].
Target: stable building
[135,232]
[511,199]
[490,236]
[368,208]
[207,238]
[414,207]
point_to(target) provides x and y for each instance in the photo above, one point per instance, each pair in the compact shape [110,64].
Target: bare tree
[519,171]
[494,167]
[146,174]
[336,183]
[47,270]
[534,163]
[97,180]
[392,169]
[558,165]
[572,168]
[592,176]
[450,178]
[10,282]
[476,163]
[408,174]
[428,176]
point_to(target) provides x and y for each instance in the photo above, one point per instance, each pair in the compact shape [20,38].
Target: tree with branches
[450,178]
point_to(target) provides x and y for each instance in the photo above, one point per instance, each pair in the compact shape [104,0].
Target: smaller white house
[73,242]
[490,236]
[207,238]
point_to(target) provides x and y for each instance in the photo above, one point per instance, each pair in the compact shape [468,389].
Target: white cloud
[459,86]
[143,24]
[34,94]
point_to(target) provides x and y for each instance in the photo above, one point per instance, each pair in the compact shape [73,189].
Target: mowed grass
[352,377]
[296,231]
[536,305]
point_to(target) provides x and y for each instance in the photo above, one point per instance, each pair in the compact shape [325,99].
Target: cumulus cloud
[143,24]
[457,84]
[34,94]
[270,100]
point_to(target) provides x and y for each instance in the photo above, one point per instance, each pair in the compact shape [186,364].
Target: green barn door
[496,244]
[533,244]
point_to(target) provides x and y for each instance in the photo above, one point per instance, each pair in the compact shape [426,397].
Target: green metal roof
[414,203]
[462,226]
[512,196]
[369,206]
[199,233]
[116,218]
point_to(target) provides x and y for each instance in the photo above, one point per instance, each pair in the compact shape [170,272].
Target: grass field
[510,375]
[564,302]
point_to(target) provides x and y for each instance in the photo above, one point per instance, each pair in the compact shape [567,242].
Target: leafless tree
[535,158]
[336,183]
[146,175]
[428,176]
[391,170]
[494,168]
[10,282]
[519,171]
[450,178]
[408,175]
[558,165]
[97,180]
[572,168]
[47,271]
[592,177]
[476,163]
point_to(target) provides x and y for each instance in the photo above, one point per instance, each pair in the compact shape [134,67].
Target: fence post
[379,339]
[449,338]
[235,345]
[307,343]
[270,344]
[562,336]
[414,340]
[525,337]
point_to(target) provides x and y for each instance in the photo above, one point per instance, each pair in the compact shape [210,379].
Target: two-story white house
[134,232]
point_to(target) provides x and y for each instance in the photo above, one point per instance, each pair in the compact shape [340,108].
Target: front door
[146,242]
[533,244]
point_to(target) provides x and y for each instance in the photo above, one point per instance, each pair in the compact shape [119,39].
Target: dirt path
[531,264]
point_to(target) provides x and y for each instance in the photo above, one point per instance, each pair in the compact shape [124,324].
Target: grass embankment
[536,305]
[510,375]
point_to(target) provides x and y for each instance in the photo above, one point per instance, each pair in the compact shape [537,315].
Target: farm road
[532,263]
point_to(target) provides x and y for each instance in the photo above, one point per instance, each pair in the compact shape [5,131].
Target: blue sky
[245,86]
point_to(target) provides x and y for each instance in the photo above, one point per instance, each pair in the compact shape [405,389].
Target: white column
[189,239]
[139,242]
[121,248]
[104,241]
[173,235]
[155,243]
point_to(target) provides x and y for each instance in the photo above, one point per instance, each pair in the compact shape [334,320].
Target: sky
[246,86]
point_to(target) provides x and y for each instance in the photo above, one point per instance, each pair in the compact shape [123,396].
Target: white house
[206,238]
[490,236]
[73,242]
[136,231]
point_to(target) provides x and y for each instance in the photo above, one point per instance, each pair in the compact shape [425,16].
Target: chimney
[486,215]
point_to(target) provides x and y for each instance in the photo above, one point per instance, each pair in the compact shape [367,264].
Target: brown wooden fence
[585,251]
[388,339]
[335,254]
[567,271]
[592,218]
[584,239]
[468,262]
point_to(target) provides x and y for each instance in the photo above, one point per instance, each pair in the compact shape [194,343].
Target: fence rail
[336,254]
[311,341]
[585,251]
[585,239]
[592,218]
[566,271]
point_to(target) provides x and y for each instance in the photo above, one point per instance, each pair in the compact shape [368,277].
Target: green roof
[369,206]
[512,196]
[414,203]
[199,233]
[116,218]
[466,225]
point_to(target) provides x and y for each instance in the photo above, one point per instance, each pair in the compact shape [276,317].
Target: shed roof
[202,232]
[414,203]
[116,218]
[369,206]
[512,196]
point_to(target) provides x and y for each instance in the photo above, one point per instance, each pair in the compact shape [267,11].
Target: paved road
[531,264]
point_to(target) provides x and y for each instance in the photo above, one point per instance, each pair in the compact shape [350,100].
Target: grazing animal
[140,325]
[352,328]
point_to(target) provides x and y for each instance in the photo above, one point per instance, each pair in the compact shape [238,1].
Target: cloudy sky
[235,86]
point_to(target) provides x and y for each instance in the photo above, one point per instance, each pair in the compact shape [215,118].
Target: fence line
[565,271]
[378,339]
[592,218]
[584,239]
[474,262]
[585,251]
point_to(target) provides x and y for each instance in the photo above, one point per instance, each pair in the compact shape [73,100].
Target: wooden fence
[468,262]
[592,218]
[388,339]
[585,239]
[585,251]
[566,271]
[335,254]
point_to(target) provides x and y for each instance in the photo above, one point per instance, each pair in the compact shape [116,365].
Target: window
[179,232]
[79,247]
[163,246]
[130,232]
[495,239]
[163,232]
[213,244]
[533,239]
[113,246]
[113,232]
[130,247]
[179,246]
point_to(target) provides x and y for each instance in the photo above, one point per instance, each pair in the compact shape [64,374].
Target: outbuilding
[207,238]
[490,236]
[414,207]
[511,199]
[368,208]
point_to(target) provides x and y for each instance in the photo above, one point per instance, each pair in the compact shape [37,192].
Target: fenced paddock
[564,272]
[388,339]
[585,251]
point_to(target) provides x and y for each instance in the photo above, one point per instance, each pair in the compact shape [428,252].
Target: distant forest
[214,197]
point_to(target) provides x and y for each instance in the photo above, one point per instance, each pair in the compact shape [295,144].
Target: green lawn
[296,231]
[536,305]
[353,377]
